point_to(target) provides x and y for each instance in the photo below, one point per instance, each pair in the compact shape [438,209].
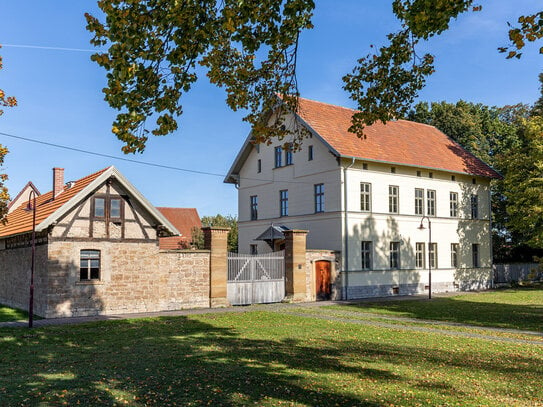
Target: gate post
[216,241]
[295,261]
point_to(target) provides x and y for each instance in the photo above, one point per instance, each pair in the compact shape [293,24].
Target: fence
[509,273]
[254,279]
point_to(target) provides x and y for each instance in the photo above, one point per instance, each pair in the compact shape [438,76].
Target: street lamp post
[421,227]
[32,207]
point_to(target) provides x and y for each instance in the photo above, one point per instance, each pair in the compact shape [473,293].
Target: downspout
[490,234]
[345,231]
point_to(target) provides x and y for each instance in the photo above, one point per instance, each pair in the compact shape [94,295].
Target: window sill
[90,282]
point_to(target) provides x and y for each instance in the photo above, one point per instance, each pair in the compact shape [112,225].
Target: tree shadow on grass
[464,311]
[183,361]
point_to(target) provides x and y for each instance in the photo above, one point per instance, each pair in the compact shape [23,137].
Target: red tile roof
[20,220]
[398,142]
[184,219]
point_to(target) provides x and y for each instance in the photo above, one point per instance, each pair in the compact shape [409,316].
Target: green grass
[10,314]
[520,308]
[261,358]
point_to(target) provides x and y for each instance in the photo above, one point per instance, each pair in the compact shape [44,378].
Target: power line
[49,48]
[149,164]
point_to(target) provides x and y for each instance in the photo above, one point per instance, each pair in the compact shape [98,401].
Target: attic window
[364,166]
[474,181]
[419,174]
[99,207]
[430,175]
[453,178]
[393,170]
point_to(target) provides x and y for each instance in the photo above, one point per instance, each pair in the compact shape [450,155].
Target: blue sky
[60,98]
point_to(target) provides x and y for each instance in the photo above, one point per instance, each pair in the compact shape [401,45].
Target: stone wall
[135,277]
[15,277]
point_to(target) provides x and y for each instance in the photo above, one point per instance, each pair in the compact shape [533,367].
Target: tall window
[254,207]
[419,201]
[474,207]
[310,153]
[319,198]
[283,202]
[475,255]
[394,258]
[393,198]
[365,196]
[254,248]
[419,255]
[288,155]
[433,255]
[453,204]
[278,156]
[431,202]
[366,255]
[89,268]
[259,166]
[454,254]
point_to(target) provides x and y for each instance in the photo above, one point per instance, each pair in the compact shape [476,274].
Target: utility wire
[48,48]
[149,164]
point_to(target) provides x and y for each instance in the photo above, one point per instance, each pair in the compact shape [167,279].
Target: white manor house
[366,198]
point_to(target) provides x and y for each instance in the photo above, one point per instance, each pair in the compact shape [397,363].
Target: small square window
[453,178]
[364,166]
[473,181]
[430,175]
[393,170]
[419,174]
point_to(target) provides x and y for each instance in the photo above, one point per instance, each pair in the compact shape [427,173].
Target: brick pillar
[295,276]
[215,240]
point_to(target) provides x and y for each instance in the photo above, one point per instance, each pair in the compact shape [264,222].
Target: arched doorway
[323,280]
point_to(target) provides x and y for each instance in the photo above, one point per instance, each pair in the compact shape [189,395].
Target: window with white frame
[420,255]
[419,201]
[278,156]
[365,196]
[367,255]
[455,247]
[453,204]
[431,202]
[433,255]
[89,268]
[394,255]
[393,198]
[283,202]
[288,155]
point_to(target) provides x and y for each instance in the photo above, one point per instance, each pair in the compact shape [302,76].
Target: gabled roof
[49,210]
[184,219]
[23,195]
[400,142]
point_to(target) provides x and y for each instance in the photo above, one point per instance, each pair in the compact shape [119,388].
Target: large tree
[250,48]
[5,101]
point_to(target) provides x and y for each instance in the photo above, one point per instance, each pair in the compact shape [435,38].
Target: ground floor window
[89,265]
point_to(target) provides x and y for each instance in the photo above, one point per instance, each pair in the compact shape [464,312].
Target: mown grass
[261,358]
[520,308]
[11,314]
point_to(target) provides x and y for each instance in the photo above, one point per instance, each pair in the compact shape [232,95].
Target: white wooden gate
[256,279]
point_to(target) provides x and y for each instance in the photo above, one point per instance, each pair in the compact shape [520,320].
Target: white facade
[345,223]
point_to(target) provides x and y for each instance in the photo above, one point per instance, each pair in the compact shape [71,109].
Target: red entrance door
[322,271]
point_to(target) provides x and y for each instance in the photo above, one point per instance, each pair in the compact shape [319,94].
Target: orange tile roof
[184,219]
[399,141]
[20,220]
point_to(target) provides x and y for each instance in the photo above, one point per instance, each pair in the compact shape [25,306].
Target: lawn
[520,308]
[10,314]
[262,358]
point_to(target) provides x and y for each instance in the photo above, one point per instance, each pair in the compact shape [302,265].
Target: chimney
[58,181]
